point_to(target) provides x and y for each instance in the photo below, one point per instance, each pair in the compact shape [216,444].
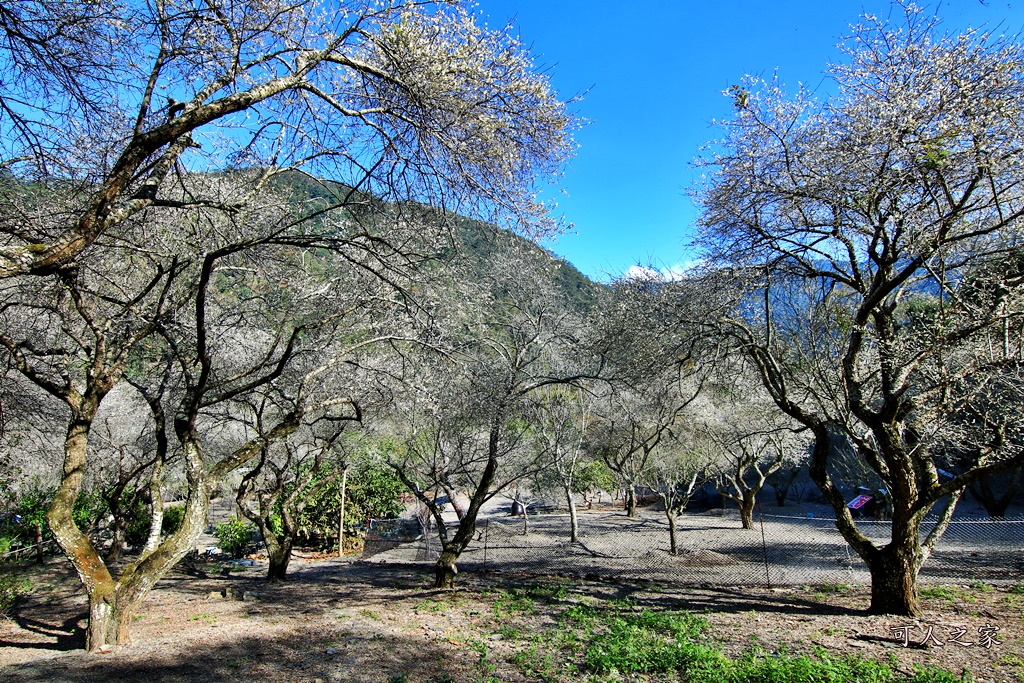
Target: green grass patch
[509,603]
[616,643]
[940,593]
[612,640]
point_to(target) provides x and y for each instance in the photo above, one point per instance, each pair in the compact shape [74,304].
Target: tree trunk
[122,601]
[894,570]
[445,571]
[893,567]
[279,558]
[630,503]
[129,593]
[781,484]
[672,531]
[114,554]
[574,523]
[156,520]
[156,480]
[94,575]
[747,510]
[101,631]
[40,557]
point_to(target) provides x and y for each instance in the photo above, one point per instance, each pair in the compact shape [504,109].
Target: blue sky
[655,72]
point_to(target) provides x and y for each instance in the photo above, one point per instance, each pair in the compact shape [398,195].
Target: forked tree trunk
[445,570]
[279,556]
[138,579]
[781,484]
[894,571]
[893,567]
[995,505]
[113,604]
[747,509]
[279,546]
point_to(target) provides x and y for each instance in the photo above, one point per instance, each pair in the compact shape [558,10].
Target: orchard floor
[346,621]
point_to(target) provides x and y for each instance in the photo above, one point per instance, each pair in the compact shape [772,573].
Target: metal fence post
[764,546]
[39,543]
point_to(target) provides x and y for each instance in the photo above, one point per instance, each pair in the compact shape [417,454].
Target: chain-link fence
[713,549]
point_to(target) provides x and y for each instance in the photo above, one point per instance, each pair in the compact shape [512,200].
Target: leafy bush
[31,508]
[89,508]
[35,501]
[233,536]
[139,517]
[173,517]
[373,490]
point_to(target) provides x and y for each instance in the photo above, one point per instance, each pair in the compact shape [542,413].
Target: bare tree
[282,486]
[459,447]
[632,423]
[857,222]
[752,445]
[248,316]
[517,337]
[682,464]
[394,101]
[73,335]
[564,416]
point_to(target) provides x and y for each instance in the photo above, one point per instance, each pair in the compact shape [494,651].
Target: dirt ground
[348,621]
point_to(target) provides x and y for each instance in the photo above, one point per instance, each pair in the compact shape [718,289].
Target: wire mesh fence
[713,549]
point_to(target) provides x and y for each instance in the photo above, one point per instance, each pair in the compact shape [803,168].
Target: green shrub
[173,517]
[35,501]
[233,536]
[139,517]
[32,507]
[89,508]
[373,490]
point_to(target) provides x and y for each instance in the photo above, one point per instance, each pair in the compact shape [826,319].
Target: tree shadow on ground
[656,596]
[68,635]
[294,657]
